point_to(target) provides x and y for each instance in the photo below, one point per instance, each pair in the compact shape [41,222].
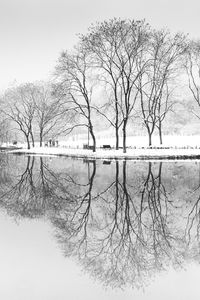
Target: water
[74,229]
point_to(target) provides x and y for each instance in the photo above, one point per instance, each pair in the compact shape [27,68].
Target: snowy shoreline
[133,154]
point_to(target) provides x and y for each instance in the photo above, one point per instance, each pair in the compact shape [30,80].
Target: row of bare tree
[119,70]
[33,110]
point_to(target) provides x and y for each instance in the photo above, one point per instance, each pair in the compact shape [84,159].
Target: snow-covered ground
[112,154]
[77,141]
[173,147]
[135,141]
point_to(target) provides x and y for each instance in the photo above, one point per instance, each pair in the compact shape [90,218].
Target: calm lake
[94,229]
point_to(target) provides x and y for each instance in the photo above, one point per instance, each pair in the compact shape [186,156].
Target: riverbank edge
[133,154]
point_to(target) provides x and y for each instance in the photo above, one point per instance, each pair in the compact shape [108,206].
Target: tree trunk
[116,123]
[28,142]
[150,138]
[42,173]
[159,174]
[116,138]
[160,133]
[124,135]
[93,137]
[125,192]
[41,138]
[94,143]
[149,134]
[32,139]
[117,181]
[150,131]
[124,174]
[90,183]
[124,141]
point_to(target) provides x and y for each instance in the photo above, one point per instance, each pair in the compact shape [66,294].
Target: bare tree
[115,46]
[76,85]
[155,83]
[49,112]
[19,107]
[192,67]
[4,128]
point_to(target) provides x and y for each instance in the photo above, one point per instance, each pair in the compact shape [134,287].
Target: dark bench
[86,146]
[106,147]
[106,162]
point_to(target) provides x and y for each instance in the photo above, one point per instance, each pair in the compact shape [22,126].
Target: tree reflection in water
[34,190]
[126,237]
[123,222]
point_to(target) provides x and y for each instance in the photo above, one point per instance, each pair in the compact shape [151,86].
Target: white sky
[34,32]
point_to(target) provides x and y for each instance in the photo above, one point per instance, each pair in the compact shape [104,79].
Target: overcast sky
[34,32]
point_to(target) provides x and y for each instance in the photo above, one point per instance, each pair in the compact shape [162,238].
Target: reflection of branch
[81,223]
[192,219]
[153,190]
[19,196]
[36,192]
[54,189]
[122,233]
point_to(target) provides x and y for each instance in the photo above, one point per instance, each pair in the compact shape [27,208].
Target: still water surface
[79,229]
